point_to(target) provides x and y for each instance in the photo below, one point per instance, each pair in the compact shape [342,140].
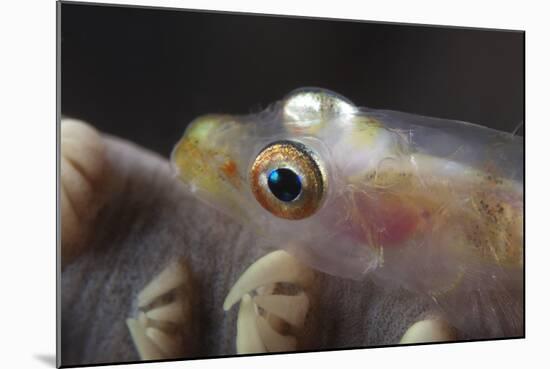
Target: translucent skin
[430,205]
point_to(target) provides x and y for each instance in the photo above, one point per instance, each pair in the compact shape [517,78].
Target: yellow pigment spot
[365,132]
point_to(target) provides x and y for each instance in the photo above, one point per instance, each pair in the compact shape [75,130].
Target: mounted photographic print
[246,184]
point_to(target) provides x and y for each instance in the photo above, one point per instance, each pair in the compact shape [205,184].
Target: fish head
[290,173]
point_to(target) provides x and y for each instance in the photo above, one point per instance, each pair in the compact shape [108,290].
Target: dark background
[143,74]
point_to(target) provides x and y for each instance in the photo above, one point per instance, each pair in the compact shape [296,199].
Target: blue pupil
[284,184]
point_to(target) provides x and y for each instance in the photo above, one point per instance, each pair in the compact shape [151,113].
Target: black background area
[144,74]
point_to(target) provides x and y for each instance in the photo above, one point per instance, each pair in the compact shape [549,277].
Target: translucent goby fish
[431,205]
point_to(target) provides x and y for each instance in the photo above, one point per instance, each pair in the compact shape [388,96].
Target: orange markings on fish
[229,168]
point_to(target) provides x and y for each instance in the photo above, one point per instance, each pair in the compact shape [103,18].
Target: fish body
[430,205]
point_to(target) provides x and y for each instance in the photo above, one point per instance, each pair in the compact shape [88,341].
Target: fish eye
[288,180]
[284,184]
